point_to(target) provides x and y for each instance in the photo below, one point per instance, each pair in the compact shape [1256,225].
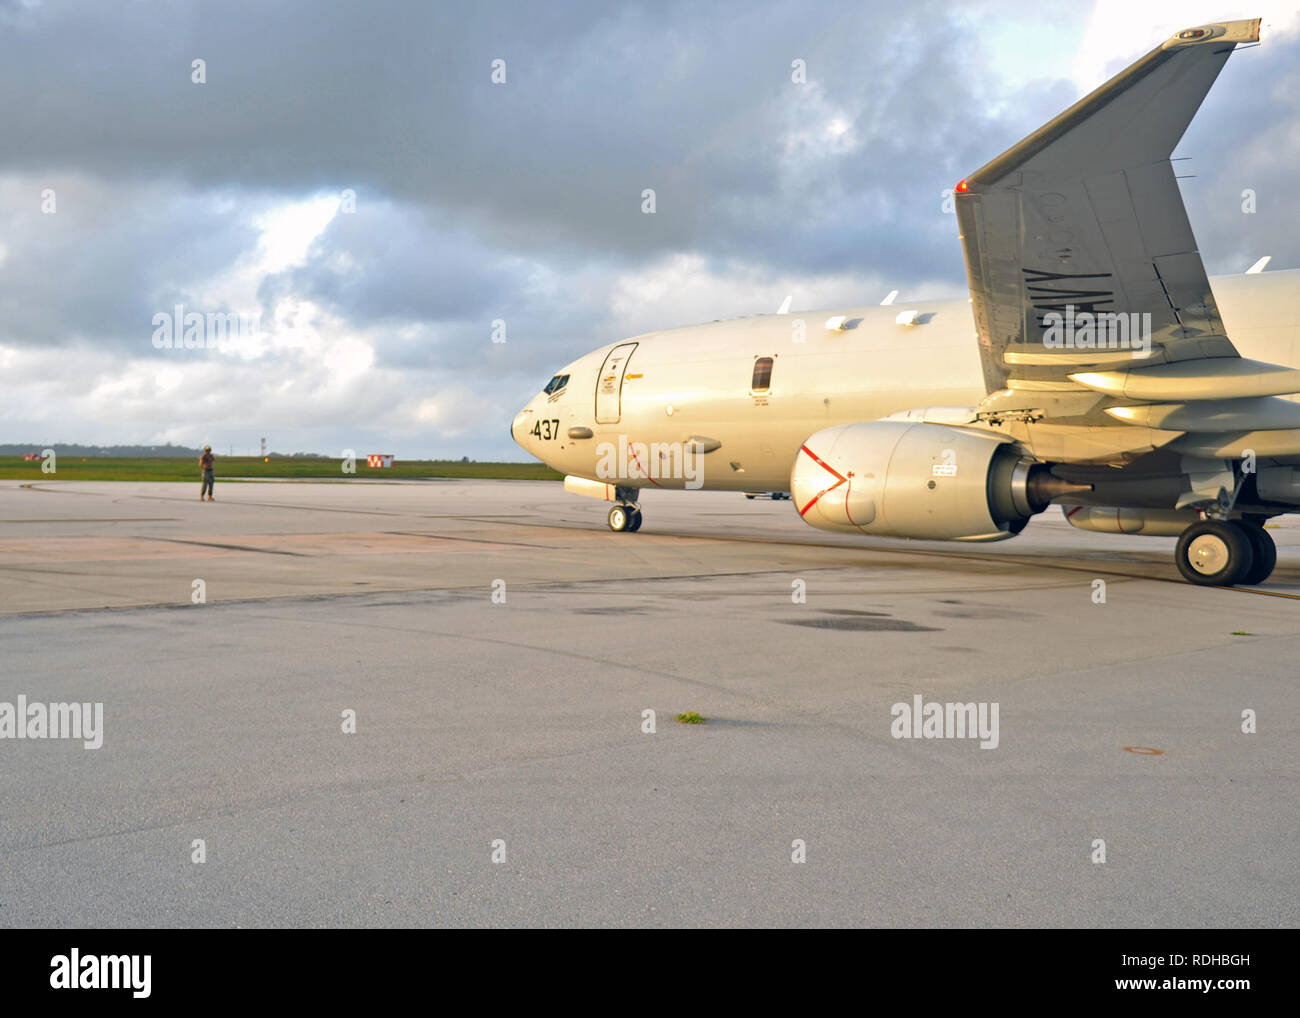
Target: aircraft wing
[1085,214]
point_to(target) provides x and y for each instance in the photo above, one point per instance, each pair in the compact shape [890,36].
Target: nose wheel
[624,518]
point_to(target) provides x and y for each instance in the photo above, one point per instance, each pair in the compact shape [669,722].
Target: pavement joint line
[468,540]
[105,519]
[476,589]
[554,587]
[227,547]
[276,505]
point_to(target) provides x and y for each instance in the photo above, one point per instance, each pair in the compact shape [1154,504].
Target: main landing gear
[625,515]
[1217,553]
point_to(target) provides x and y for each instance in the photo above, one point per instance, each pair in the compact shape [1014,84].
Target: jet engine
[920,480]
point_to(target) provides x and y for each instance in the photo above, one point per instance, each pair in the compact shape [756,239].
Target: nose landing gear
[625,515]
[624,518]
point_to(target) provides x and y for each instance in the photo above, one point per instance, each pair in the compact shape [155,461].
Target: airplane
[1094,366]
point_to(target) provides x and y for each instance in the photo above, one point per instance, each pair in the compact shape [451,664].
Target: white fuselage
[696,385]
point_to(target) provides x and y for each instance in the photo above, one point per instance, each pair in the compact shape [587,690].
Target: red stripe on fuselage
[644,472]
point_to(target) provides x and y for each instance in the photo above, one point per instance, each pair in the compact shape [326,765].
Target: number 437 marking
[546,429]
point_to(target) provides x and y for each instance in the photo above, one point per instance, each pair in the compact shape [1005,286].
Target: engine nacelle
[920,480]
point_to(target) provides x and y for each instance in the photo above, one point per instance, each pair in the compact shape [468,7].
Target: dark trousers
[207,484]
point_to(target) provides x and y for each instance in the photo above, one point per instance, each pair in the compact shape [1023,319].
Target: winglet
[1228,31]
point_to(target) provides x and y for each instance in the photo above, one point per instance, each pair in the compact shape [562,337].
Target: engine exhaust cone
[1043,486]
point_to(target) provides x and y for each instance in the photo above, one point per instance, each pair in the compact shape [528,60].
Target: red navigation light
[961,186]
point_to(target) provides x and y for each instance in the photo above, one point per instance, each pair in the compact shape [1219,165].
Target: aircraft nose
[517,430]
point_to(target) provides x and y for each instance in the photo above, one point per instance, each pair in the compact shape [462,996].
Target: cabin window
[762,375]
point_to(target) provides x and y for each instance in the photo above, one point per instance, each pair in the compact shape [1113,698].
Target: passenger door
[609,384]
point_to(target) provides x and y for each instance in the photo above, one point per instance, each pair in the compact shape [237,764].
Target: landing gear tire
[1265,554]
[1215,554]
[635,523]
[620,519]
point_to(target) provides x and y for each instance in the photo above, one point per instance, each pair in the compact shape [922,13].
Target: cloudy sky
[128,188]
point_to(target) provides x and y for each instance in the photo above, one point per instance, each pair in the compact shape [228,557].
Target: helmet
[207,448]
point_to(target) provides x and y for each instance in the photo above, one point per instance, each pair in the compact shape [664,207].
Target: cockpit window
[556,384]
[762,380]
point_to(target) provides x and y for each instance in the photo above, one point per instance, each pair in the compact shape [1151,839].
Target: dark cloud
[389,263]
[108,257]
[396,100]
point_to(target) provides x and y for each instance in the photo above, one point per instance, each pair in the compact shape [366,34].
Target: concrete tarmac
[513,725]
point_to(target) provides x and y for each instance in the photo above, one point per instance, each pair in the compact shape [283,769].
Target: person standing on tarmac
[206,461]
